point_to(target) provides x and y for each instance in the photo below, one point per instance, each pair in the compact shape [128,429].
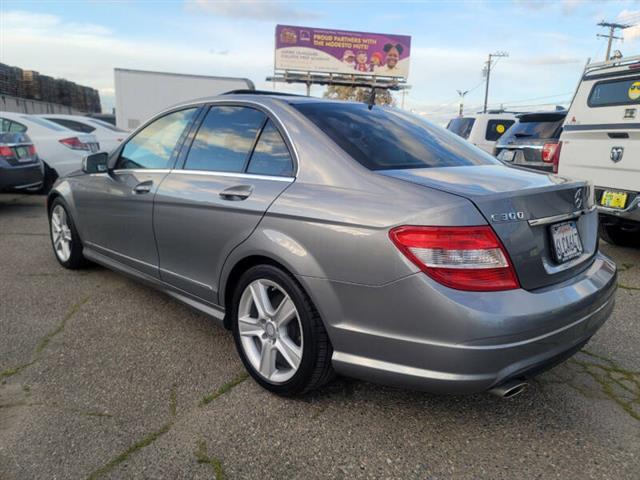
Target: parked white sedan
[108,135]
[60,149]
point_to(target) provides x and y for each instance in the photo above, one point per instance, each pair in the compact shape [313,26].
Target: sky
[548,42]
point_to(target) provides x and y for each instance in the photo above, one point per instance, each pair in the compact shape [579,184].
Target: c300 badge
[507,217]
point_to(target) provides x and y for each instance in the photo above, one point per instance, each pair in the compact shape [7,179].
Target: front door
[237,166]
[116,208]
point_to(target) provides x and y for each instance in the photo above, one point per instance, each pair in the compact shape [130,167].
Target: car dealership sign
[338,51]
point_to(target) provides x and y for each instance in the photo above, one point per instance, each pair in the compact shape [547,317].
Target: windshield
[461,126]
[386,138]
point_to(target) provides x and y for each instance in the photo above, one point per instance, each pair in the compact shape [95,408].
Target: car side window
[225,138]
[11,127]
[271,155]
[154,145]
[72,125]
[496,128]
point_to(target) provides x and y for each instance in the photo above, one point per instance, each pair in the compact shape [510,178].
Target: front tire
[278,332]
[616,235]
[65,240]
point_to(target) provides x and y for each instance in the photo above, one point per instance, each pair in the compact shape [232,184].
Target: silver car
[331,237]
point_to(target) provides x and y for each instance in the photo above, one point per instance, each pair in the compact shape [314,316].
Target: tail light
[548,151]
[6,152]
[464,258]
[32,150]
[556,157]
[74,143]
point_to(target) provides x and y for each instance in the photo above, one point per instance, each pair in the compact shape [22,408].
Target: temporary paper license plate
[23,154]
[613,199]
[566,241]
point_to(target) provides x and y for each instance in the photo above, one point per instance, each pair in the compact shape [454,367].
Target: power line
[612,26]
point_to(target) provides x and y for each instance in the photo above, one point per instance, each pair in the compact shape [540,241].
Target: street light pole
[488,73]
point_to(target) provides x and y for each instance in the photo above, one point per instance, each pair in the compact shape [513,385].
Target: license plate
[507,155]
[613,199]
[23,154]
[566,241]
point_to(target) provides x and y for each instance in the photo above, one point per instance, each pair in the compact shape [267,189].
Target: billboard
[338,51]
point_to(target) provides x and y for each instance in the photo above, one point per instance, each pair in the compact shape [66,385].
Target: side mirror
[95,163]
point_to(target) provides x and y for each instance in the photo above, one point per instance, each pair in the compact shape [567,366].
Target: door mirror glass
[95,163]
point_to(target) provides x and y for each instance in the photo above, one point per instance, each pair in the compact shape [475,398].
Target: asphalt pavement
[102,377]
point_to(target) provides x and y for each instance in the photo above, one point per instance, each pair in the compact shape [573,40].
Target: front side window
[386,138]
[496,128]
[615,92]
[154,145]
[225,138]
[271,155]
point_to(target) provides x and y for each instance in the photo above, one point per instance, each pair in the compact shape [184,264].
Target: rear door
[237,165]
[601,136]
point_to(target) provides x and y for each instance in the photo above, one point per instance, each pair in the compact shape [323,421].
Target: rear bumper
[631,213]
[21,177]
[419,334]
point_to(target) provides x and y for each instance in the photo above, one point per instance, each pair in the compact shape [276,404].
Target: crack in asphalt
[615,383]
[156,434]
[203,457]
[44,342]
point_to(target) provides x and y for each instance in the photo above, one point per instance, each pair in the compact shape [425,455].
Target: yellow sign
[634,91]
[614,199]
[500,127]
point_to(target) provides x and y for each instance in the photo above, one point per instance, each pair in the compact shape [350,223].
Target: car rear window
[535,127]
[45,123]
[497,128]
[461,126]
[615,92]
[106,125]
[384,138]
[72,125]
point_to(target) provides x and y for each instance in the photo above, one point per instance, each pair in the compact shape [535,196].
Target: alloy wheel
[61,233]
[270,330]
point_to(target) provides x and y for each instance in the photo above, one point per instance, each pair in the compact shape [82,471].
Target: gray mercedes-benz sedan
[334,237]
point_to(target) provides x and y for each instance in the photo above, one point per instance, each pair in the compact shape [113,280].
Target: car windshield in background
[387,139]
[45,123]
[615,92]
[461,126]
[535,127]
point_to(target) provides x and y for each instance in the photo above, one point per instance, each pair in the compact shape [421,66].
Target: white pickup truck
[600,142]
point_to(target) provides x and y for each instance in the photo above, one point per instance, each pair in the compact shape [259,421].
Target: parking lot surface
[102,377]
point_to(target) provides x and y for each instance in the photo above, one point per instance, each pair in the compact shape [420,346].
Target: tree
[359,94]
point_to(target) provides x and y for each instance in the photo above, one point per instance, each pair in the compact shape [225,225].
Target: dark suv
[20,167]
[532,141]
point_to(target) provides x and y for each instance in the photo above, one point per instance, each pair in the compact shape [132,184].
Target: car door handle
[237,192]
[144,187]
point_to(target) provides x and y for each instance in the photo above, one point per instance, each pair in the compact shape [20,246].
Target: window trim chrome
[214,173]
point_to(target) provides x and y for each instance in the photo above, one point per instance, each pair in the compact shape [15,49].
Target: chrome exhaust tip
[509,389]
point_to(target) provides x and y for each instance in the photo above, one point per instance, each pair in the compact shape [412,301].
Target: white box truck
[141,94]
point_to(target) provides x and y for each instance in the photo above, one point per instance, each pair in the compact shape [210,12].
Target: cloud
[87,54]
[630,17]
[253,10]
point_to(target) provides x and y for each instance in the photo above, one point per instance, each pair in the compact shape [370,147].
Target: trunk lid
[520,206]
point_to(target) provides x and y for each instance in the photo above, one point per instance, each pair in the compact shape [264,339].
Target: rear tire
[66,243]
[616,235]
[287,354]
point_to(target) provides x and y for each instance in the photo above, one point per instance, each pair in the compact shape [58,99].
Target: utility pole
[612,30]
[488,73]
[462,94]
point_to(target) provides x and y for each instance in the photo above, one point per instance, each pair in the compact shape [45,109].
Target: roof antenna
[372,98]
